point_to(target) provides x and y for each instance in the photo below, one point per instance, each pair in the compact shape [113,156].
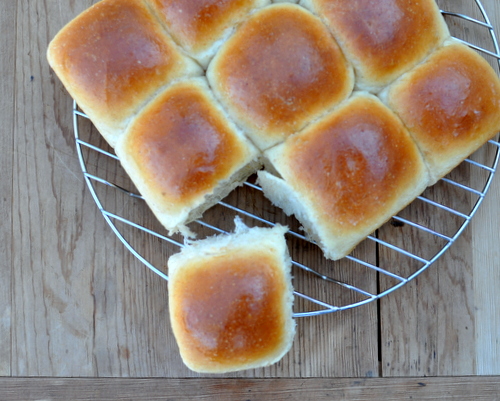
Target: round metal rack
[388,259]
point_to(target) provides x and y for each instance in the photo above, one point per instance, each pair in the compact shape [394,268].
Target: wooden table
[80,318]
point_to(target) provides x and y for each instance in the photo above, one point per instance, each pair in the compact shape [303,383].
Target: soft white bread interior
[112,58]
[346,174]
[201,26]
[450,104]
[383,38]
[280,70]
[184,155]
[231,300]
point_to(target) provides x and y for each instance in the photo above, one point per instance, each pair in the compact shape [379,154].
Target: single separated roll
[200,26]
[346,174]
[280,70]
[450,104]
[231,299]
[382,38]
[184,155]
[112,58]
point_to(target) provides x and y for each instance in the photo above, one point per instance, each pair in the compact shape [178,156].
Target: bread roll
[112,58]
[200,26]
[382,38]
[281,69]
[230,300]
[184,155]
[346,174]
[450,104]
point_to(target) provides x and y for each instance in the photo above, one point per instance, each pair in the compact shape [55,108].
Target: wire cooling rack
[388,259]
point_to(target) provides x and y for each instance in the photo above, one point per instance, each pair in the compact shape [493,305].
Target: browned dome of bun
[199,26]
[281,69]
[231,300]
[112,58]
[450,104]
[382,38]
[346,174]
[184,155]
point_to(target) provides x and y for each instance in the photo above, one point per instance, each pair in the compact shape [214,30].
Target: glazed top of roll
[281,69]
[356,166]
[230,299]
[198,24]
[383,38]
[450,104]
[113,57]
[181,146]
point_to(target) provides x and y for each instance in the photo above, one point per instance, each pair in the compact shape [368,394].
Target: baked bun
[346,174]
[231,299]
[112,58]
[281,69]
[382,38]
[200,26]
[184,155]
[450,104]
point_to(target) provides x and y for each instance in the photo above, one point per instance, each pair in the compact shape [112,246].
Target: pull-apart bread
[113,58]
[281,69]
[280,79]
[346,174]
[231,299]
[450,104]
[382,38]
[184,155]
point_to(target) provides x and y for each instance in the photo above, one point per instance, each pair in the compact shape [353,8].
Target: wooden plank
[441,323]
[486,280]
[449,388]
[486,257]
[137,319]
[7,105]
[81,302]
[83,305]
[427,326]
[52,305]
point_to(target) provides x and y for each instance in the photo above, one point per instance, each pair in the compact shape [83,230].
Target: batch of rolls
[346,109]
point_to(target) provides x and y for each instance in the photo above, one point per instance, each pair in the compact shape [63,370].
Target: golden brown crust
[346,174]
[450,104]
[230,308]
[280,70]
[354,163]
[384,37]
[183,153]
[113,57]
[182,145]
[231,300]
[197,24]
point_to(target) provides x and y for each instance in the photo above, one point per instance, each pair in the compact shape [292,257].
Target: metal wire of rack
[392,253]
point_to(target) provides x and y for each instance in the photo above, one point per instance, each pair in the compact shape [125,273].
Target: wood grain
[83,305]
[427,327]
[51,302]
[75,303]
[486,280]
[449,388]
[441,323]
[486,260]
[7,107]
